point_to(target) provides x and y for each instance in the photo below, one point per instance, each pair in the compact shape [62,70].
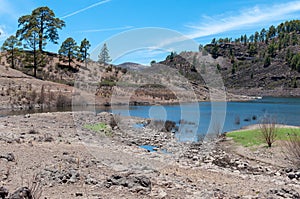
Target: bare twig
[292,146]
[268,130]
[36,187]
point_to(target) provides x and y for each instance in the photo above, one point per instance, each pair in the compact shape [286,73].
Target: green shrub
[99,127]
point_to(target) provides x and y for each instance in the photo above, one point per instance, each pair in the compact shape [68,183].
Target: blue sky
[199,20]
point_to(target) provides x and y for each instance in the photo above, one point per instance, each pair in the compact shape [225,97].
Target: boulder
[3,192]
[132,182]
[22,193]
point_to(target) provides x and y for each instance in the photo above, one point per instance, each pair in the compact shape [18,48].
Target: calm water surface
[197,116]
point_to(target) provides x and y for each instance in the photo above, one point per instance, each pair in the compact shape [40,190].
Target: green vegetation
[99,127]
[253,137]
[68,49]
[268,42]
[36,29]
[11,45]
[107,82]
[267,61]
[83,50]
[152,62]
[43,22]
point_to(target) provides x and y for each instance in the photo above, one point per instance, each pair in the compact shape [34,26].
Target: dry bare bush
[267,129]
[32,191]
[292,146]
[36,187]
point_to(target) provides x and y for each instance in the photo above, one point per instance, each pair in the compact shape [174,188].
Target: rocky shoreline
[71,160]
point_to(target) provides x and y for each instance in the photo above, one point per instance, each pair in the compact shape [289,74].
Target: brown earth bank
[110,85]
[172,81]
[21,91]
[60,153]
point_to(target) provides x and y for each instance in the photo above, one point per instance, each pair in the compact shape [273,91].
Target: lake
[195,119]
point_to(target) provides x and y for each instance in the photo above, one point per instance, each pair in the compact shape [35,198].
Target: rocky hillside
[21,91]
[266,63]
[132,66]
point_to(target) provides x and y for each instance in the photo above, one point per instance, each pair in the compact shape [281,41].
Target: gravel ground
[69,161]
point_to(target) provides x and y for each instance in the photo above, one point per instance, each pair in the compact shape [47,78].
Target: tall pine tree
[44,21]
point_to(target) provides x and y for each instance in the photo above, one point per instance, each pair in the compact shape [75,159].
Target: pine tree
[11,45]
[69,49]
[83,50]
[104,55]
[44,21]
[267,61]
[32,42]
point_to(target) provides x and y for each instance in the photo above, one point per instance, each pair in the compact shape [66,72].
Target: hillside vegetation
[266,62]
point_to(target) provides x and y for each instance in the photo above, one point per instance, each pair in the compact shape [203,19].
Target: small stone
[161,194]
[21,193]
[240,166]
[9,157]
[236,171]
[72,179]
[278,173]
[77,194]
[291,176]
[195,158]
[3,192]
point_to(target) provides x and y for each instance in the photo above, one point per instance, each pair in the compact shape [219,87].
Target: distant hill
[132,66]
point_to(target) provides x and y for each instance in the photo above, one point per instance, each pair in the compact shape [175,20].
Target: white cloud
[107,29]
[3,33]
[249,17]
[86,8]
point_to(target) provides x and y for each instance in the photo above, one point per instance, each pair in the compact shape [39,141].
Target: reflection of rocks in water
[160,125]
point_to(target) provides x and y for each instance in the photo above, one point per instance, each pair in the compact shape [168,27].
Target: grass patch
[107,82]
[249,138]
[99,127]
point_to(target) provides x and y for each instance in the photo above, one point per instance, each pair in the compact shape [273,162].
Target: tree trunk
[34,62]
[41,44]
[269,144]
[85,55]
[41,36]
[12,59]
[69,61]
